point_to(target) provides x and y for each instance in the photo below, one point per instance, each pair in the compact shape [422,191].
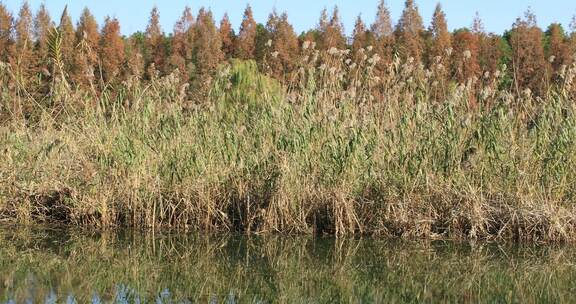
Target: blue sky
[497,15]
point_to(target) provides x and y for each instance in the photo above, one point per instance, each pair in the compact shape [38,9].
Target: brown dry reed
[342,148]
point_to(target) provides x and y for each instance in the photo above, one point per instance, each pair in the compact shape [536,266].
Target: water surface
[42,265]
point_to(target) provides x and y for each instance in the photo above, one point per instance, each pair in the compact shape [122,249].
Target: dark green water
[57,266]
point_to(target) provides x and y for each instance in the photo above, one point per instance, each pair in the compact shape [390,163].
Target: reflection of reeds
[278,269]
[345,147]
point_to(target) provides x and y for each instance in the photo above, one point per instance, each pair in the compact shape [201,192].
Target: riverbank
[254,157]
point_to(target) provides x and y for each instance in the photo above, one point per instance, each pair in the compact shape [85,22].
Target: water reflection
[61,266]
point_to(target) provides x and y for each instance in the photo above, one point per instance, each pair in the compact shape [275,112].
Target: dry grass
[341,149]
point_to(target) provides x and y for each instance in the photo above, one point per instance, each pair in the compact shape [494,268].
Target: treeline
[39,50]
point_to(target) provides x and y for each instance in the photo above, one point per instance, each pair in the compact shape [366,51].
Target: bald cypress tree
[382,26]
[154,44]
[336,30]
[266,56]
[5,32]
[23,27]
[323,22]
[134,52]
[68,34]
[528,61]
[465,55]
[437,56]
[483,41]
[383,33]
[321,27]
[332,31]
[490,47]
[409,32]
[86,53]
[227,36]
[359,36]
[207,46]
[557,47]
[42,26]
[284,45]
[87,29]
[182,44]
[22,58]
[441,38]
[42,30]
[262,46]
[491,53]
[246,41]
[111,49]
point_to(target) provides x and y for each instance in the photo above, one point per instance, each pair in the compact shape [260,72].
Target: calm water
[59,266]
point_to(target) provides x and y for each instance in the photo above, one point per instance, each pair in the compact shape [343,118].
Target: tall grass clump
[339,149]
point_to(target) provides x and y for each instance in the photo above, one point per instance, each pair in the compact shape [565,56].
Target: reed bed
[343,147]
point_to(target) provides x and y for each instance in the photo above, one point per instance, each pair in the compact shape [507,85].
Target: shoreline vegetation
[341,140]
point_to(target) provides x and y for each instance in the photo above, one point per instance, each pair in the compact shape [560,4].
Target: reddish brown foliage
[333,35]
[558,47]
[111,49]
[182,44]
[383,35]
[86,55]
[490,53]
[284,45]
[246,42]
[134,59]
[441,38]
[155,51]
[409,32]
[207,45]
[68,36]
[197,48]
[5,32]
[227,36]
[23,57]
[465,56]
[359,36]
[529,64]
[42,26]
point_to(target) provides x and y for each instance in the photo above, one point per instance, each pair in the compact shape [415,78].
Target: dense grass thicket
[337,150]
